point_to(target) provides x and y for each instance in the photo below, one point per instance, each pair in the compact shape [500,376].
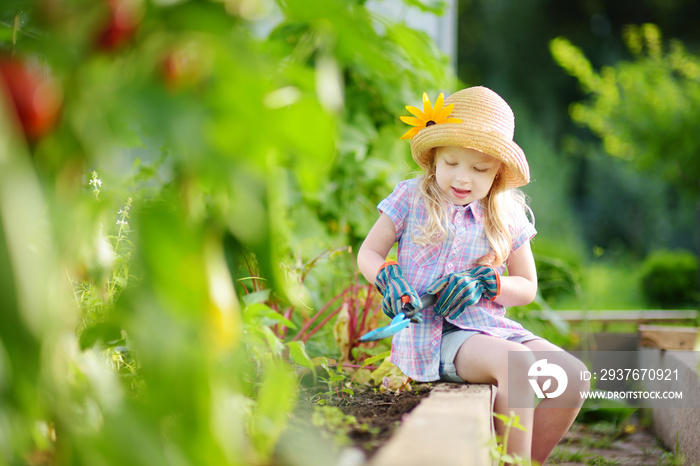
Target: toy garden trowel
[400,320]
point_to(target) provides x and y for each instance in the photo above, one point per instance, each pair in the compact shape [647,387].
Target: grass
[594,444]
[601,461]
[562,454]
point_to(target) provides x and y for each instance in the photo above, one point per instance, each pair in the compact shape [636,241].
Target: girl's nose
[462,175]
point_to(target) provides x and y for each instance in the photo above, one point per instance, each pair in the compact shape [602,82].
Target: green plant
[605,414]
[601,461]
[556,279]
[334,380]
[499,447]
[562,454]
[349,314]
[601,442]
[670,278]
[642,110]
[673,458]
[334,422]
[369,361]
[215,157]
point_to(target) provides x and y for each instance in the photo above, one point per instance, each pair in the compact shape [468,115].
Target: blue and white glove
[457,291]
[393,286]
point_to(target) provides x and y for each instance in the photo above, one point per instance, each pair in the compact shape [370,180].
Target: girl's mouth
[461,193]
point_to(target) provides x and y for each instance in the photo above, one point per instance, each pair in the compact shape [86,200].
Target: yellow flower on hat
[431,115]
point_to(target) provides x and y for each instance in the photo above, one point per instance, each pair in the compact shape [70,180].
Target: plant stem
[310,322]
[323,322]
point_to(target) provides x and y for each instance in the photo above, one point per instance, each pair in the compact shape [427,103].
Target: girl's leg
[554,416]
[484,359]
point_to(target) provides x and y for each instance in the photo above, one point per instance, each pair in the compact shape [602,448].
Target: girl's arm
[376,247]
[519,287]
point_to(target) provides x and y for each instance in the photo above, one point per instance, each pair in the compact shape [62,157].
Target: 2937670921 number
[638,374]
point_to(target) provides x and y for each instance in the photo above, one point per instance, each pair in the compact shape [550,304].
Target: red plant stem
[355,366]
[310,322]
[287,315]
[301,334]
[365,310]
[323,322]
[352,321]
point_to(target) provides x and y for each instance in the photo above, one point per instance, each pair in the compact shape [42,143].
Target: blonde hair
[501,206]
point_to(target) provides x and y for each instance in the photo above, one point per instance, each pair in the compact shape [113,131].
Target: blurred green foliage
[669,279]
[199,146]
[643,110]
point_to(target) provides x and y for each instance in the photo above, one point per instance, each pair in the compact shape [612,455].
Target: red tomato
[171,69]
[121,24]
[36,98]
[180,68]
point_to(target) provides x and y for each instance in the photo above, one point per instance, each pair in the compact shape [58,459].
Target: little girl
[459,227]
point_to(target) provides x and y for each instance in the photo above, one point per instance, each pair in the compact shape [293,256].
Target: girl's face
[464,175]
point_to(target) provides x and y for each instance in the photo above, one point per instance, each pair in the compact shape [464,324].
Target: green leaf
[422,52]
[436,7]
[276,398]
[260,314]
[336,377]
[256,297]
[297,351]
[99,333]
[376,358]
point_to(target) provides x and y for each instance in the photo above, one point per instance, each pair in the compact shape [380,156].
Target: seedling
[499,451]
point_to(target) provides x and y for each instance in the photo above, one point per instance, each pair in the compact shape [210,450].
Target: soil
[383,413]
[598,443]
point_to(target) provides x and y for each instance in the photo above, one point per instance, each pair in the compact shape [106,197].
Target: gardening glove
[458,290]
[393,287]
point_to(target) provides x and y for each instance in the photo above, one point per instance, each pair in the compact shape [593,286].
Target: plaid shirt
[416,350]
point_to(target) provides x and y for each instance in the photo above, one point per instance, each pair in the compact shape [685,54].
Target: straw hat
[487,125]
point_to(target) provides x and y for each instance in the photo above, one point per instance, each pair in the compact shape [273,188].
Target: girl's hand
[393,287]
[458,290]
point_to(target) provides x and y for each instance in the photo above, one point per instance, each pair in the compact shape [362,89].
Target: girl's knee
[575,369]
[573,366]
[577,374]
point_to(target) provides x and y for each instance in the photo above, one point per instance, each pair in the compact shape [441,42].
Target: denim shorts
[452,341]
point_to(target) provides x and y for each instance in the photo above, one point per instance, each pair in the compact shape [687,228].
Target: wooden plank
[452,427]
[667,338]
[626,316]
